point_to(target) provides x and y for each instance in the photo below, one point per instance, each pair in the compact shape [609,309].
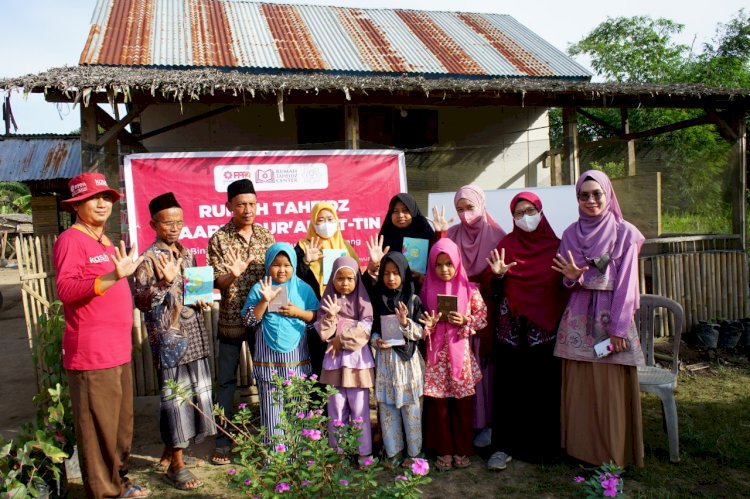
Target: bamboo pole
[690,288]
[703,288]
[137,358]
[731,285]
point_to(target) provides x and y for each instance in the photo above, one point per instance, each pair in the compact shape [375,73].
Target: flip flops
[190,462]
[135,491]
[220,457]
[181,479]
[461,462]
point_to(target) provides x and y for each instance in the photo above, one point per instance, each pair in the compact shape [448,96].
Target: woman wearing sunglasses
[598,258]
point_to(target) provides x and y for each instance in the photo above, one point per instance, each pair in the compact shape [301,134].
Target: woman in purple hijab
[598,257]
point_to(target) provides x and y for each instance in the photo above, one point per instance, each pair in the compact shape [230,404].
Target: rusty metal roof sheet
[263,36]
[29,157]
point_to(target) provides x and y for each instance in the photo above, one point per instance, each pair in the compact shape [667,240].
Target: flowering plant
[605,482]
[298,460]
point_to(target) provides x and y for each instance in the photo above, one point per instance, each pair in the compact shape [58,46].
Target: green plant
[298,461]
[605,482]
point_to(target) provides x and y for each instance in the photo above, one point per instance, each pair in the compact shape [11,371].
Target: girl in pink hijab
[451,370]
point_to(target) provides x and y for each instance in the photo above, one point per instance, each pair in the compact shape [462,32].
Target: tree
[14,198]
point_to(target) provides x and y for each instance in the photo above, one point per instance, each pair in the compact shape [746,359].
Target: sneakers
[498,461]
[483,438]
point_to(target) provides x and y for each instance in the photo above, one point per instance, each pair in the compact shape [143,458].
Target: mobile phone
[603,348]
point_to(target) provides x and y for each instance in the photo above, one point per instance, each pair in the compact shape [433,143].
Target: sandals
[182,478]
[461,462]
[410,460]
[391,462]
[220,457]
[190,462]
[444,463]
[135,491]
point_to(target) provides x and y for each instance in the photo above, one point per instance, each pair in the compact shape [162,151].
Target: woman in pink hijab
[476,236]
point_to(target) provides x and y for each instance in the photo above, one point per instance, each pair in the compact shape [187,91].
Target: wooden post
[738,172]
[630,151]
[351,126]
[89,149]
[571,167]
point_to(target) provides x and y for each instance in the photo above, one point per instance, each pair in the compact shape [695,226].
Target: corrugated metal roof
[263,36]
[39,158]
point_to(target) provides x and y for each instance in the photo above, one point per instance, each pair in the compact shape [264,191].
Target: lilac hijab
[356,305]
[477,240]
[601,238]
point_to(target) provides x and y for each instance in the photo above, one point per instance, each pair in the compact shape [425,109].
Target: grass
[714,416]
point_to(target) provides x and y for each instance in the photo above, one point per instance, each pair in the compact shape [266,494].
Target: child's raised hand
[430,320]
[402,314]
[438,219]
[330,306]
[497,262]
[313,253]
[267,291]
[376,250]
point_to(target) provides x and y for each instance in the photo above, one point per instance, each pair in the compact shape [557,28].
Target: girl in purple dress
[598,258]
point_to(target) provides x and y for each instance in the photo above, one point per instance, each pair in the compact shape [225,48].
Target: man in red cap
[92,285]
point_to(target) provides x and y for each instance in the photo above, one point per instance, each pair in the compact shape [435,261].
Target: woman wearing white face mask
[531,299]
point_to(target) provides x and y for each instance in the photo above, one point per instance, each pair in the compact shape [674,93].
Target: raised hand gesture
[376,250]
[497,262]
[568,268]
[402,314]
[123,260]
[167,268]
[237,264]
[313,253]
[267,291]
[438,219]
[330,306]
[429,320]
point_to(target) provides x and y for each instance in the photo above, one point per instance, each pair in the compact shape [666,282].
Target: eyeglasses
[584,196]
[530,211]
[171,225]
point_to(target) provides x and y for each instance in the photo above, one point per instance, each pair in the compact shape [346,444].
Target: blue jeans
[229,358]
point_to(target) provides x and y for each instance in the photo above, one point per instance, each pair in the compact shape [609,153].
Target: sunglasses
[584,196]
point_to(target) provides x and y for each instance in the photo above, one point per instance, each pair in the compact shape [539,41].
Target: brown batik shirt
[227,239]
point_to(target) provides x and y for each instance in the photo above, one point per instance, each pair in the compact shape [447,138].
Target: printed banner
[288,183]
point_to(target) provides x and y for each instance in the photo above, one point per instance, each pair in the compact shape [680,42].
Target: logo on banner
[281,177]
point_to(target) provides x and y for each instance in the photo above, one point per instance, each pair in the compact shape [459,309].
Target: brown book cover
[446,304]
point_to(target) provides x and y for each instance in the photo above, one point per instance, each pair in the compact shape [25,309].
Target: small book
[446,304]
[390,330]
[199,285]
[330,256]
[416,251]
[279,300]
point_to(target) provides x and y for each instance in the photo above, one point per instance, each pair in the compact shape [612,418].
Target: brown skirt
[601,413]
[347,377]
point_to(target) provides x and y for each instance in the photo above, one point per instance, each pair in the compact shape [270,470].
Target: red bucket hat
[85,186]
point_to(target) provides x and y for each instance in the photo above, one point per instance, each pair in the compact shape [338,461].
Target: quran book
[330,256]
[199,285]
[390,330]
[446,304]
[279,300]
[416,251]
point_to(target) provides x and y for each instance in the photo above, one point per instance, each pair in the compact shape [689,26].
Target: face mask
[529,223]
[469,216]
[326,229]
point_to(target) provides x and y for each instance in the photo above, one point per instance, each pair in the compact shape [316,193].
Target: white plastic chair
[657,380]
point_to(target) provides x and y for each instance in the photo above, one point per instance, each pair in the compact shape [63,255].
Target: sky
[42,34]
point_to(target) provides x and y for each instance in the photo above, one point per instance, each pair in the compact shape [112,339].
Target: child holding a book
[400,368]
[284,306]
[344,322]
[454,311]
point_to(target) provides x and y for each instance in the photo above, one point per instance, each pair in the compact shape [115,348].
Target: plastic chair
[657,380]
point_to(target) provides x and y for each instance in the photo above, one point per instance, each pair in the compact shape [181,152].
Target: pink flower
[338,423]
[242,406]
[310,414]
[282,487]
[286,382]
[303,376]
[248,482]
[304,483]
[280,448]
[420,466]
[358,420]
[344,482]
[578,479]
[311,434]
[401,477]
[610,486]
[231,471]
[314,376]
[318,411]
[291,372]
[367,461]
[300,414]
[311,463]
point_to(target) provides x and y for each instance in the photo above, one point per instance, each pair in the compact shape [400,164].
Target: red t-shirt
[97,327]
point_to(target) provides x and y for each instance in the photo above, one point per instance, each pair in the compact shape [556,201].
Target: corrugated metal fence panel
[254,35]
[43,158]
